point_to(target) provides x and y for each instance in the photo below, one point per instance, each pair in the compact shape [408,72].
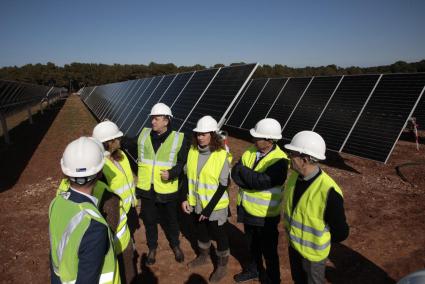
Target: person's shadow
[352,267]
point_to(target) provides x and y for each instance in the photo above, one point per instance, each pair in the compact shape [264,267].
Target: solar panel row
[190,95]
[361,115]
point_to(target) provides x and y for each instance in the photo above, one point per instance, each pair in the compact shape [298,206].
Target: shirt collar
[312,174]
[91,197]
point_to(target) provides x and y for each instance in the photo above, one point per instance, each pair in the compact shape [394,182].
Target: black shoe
[246,276]
[151,257]
[178,254]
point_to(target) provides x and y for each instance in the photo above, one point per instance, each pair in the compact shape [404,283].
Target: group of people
[93,218]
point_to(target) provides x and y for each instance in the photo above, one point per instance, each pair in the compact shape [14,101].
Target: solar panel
[117,98]
[176,88]
[220,95]
[245,104]
[124,100]
[288,99]
[385,115]
[162,88]
[264,102]
[344,108]
[311,105]
[190,95]
[129,128]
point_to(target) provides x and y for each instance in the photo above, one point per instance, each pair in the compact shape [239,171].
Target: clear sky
[293,33]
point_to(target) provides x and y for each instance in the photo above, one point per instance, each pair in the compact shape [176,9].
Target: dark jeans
[210,230]
[263,242]
[165,214]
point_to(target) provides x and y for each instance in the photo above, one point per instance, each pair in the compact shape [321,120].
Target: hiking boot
[150,260]
[221,270]
[178,254]
[246,276]
[201,259]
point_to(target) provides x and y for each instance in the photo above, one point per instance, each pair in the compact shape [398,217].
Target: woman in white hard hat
[260,175]
[119,177]
[313,209]
[208,199]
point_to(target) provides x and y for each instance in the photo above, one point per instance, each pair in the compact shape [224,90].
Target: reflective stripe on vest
[204,185]
[262,203]
[150,163]
[307,231]
[68,222]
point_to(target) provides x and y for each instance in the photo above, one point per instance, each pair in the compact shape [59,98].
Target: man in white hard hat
[260,175]
[314,213]
[162,154]
[82,248]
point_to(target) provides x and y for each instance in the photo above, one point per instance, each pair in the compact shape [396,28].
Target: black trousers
[263,242]
[154,213]
[210,230]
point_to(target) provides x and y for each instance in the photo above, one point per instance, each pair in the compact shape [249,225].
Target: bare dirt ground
[385,212]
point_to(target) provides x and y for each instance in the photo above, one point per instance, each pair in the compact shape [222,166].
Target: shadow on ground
[352,267]
[25,138]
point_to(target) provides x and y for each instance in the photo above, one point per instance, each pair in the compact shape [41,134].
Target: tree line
[77,75]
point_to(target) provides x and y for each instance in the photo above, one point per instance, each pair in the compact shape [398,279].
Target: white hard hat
[83,157]
[267,128]
[206,124]
[106,130]
[161,109]
[417,277]
[309,143]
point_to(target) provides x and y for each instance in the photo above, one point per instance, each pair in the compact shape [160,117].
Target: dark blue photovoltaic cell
[249,97]
[220,94]
[343,109]
[118,98]
[311,105]
[386,113]
[287,100]
[125,102]
[190,95]
[129,128]
[175,88]
[264,102]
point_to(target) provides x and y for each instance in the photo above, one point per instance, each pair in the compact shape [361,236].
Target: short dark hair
[216,142]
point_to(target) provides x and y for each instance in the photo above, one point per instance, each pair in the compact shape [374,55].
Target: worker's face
[262,144]
[114,144]
[298,162]
[159,123]
[204,139]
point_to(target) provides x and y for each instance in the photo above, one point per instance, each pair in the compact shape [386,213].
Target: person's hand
[202,218]
[186,207]
[165,175]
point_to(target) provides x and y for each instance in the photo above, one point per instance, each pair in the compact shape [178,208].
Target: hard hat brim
[259,135]
[119,134]
[302,151]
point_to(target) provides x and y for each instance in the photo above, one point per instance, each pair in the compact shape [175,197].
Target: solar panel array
[190,95]
[362,115]
[16,96]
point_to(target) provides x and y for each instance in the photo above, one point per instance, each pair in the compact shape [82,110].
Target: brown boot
[221,270]
[201,259]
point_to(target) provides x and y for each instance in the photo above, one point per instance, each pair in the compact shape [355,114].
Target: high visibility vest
[305,225]
[68,222]
[150,163]
[206,183]
[120,180]
[264,203]
[122,235]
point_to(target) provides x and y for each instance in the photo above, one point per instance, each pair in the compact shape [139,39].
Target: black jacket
[248,178]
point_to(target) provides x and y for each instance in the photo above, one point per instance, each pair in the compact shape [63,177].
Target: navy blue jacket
[93,248]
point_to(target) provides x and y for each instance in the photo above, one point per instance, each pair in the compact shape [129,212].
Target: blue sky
[293,33]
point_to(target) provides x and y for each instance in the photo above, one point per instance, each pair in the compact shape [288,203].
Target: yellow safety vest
[68,222]
[150,163]
[305,225]
[264,203]
[206,183]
